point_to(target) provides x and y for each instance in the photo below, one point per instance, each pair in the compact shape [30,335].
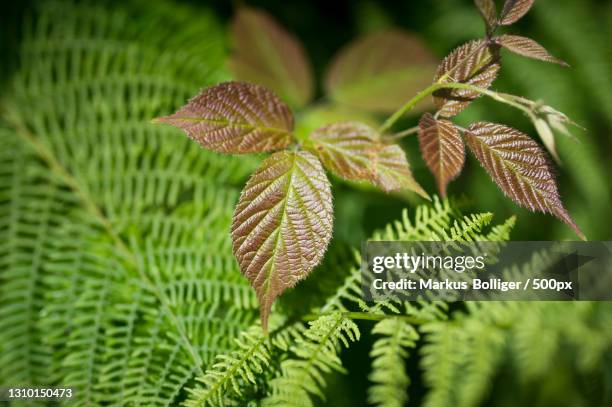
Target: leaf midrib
[282,220]
[512,167]
[242,125]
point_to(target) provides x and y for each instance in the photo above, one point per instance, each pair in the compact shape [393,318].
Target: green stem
[500,97]
[369,317]
[408,106]
[402,134]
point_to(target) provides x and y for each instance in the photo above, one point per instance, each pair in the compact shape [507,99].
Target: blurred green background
[578,31]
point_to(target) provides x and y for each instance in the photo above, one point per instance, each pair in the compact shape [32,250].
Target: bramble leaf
[442,149]
[235,117]
[489,13]
[355,151]
[379,71]
[513,10]
[346,149]
[519,167]
[393,171]
[282,224]
[266,54]
[527,47]
[475,63]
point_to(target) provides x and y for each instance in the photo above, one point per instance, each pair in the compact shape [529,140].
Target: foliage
[388,370]
[106,286]
[116,269]
[275,235]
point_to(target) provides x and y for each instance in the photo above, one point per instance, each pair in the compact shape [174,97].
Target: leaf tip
[563,215]
[578,232]
[424,194]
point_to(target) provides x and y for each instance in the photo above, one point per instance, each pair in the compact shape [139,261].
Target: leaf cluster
[283,222]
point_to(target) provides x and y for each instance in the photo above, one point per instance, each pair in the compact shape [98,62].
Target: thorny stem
[369,317]
[500,97]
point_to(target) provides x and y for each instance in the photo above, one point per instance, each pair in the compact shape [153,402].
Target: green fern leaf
[388,367]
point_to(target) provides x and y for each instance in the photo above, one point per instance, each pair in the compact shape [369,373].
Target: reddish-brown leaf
[282,224]
[380,71]
[354,151]
[266,54]
[442,149]
[519,167]
[346,149]
[489,13]
[513,10]
[235,117]
[393,171]
[527,47]
[475,63]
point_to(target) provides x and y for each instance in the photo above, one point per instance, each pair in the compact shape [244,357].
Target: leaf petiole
[500,97]
[402,134]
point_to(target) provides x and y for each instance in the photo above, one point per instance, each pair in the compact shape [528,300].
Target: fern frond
[316,354]
[462,356]
[388,367]
[26,217]
[223,380]
[428,220]
[114,251]
[501,232]
[440,362]
[466,229]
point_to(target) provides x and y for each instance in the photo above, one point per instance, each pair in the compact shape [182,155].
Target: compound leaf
[475,63]
[379,71]
[519,167]
[282,224]
[355,151]
[235,117]
[513,10]
[266,54]
[442,149]
[527,47]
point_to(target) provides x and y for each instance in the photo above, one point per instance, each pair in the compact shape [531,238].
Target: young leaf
[354,151]
[393,171]
[442,149]
[235,117]
[513,10]
[489,13]
[346,149]
[379,71]
[475,63]
[266,54]
[282,224]
[547,136]
[527,47]
[519,167]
